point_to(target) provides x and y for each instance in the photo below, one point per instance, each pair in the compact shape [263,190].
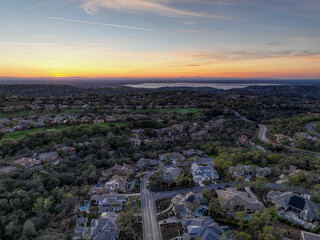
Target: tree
[214,208]
[243,236]
[28,229]
[259,184]
[315,193]
[270,233]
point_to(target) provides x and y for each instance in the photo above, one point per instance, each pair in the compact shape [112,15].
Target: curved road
[262,133]
[311,130]
[263,129]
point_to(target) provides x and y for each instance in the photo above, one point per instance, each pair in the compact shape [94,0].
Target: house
[109,202]
[124,169]
[135,141]
[104,228]
[146,163]
[28,162]
[232,201]
[81,230]
[172,157]
[178,127]
[68,150]
[309,236]
[49,157]
[264,171]
[188,205]
[137,131]
[249,171]
[203,173]
[170,174]
[116,183]
[203,227]
[193,153]
[199,133]
[305,209]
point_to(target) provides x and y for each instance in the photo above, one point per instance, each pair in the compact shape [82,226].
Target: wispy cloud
[107,24]
[209,56]
[190,33]
[29,44]
[151,6]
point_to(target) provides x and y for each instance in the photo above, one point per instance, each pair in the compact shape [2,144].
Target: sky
[160,38]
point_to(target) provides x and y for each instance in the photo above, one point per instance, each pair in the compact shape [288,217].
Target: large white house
[203,173]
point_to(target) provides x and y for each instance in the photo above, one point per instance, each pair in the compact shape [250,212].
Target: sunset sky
[160,38]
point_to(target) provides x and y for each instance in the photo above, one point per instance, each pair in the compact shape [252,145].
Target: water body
[225,86]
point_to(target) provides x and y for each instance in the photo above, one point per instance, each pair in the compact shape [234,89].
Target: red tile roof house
[124,169]
[28,162]
[116,183]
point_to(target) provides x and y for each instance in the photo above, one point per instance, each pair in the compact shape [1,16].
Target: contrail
[108,25]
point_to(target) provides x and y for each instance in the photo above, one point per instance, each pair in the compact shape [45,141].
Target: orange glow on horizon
[59,62]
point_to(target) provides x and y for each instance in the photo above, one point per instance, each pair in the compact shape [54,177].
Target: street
[151,229]
[311,130]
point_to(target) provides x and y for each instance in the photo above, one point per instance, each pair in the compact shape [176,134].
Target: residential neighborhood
[152,166]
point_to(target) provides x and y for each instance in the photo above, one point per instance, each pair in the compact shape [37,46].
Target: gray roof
[309,210]
[105,227]
[82,220]
[171,173]
[240,198]
[309,236]
[205,227]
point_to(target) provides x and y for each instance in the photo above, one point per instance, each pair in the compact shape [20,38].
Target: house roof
[171,173]
[247,198]
[105,226]
[205,227]
[297,202]
[82,220]
[309,236]
[309,210]
[106,197]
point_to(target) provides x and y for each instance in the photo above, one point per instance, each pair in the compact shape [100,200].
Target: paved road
[242,117]
[262,133]
[311,130]
[151,230]
[262,136]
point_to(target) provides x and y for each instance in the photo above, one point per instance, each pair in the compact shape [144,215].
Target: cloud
[107,24]
[29,44]
[243,54]
[151,6]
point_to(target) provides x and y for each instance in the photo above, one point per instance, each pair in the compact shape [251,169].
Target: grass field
[21,134]
[14,104]
[173,110]
[37,112]
[20,113]
[118,124]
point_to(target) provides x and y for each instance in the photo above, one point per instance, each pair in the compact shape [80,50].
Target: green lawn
[177,110]
[21,134]
[118,124]
[15,103]
[20,113]
[71,111]
[37,112]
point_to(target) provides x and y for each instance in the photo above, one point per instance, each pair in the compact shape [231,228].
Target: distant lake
[224,86]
